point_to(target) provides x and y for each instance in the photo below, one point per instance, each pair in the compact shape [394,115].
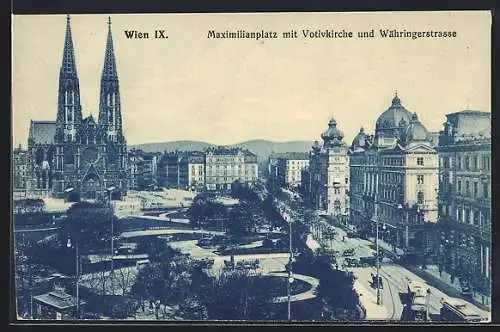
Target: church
[75,156]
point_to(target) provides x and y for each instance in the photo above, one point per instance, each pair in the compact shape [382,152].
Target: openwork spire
[68,65]
[109,69]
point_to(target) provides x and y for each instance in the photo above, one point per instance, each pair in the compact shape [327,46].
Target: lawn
[178,215]
[251,251]
[307,310]
[277,286]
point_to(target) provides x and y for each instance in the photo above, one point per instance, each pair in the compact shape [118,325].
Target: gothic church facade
[75,154]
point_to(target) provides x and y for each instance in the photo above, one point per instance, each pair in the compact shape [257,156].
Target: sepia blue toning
[394,226]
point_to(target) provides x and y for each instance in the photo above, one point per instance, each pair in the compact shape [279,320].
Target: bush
[250,251]
[123,308]
[267,243]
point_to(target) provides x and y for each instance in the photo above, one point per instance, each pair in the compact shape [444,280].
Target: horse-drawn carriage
[377,282]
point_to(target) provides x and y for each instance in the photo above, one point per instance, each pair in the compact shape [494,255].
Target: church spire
[68,65]
[109,69]
[69,110]
[110,118]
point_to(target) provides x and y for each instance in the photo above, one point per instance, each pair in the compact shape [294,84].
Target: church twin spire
[68,65]
[109,104]
[109,69]
[69,114]
[69,110]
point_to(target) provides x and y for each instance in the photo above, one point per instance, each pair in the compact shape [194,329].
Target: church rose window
[89,155]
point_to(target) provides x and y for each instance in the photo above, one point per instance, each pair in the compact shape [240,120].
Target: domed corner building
[77,155]
[328,187]
[394,179]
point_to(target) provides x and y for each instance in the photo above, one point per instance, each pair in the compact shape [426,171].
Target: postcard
[290,167]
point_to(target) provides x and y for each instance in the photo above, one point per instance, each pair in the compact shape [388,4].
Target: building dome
[416,131]
[395,116]
[360,139]
[332,136]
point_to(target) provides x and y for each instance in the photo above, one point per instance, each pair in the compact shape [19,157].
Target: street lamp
[289,265]
[427,304]
[77,277]
[378,262]
[110,190]
[407,230]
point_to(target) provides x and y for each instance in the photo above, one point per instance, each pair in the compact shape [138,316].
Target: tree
[152,246]
[238,295]
[205,210]
[124,307]
[193,309]
[167,280]
[336,288]
[240,220]
[29,205]
[89,224]
[243,192]
[125,278]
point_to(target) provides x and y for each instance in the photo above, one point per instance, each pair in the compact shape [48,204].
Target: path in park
[307,295]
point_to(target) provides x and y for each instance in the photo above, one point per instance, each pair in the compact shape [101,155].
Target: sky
[225,91]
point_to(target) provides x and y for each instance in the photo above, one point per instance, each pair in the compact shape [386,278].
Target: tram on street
[458,310]
[417,296]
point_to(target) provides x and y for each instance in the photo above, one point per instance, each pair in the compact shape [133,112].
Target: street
[394,278]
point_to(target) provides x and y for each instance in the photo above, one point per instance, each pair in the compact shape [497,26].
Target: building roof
[291,155]
[470,123]
[42,132]
[433,137]
[416,131]
[332,136]
[58,299]
[227,150]
[395,116]
[361,140]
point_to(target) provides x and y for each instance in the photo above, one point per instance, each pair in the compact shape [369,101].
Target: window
[466,163]
[467,188]
[459,187]
[420,197]
[485,190]
[346,180]
[486,163]
[459,163]
[476,189]
[467,216]
[420,161]
[420,179]
[474,162]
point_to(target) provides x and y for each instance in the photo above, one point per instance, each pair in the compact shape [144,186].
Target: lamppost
[402,207]
[290,278]
[378,261]
[427,303]
[77,276]
[112,274]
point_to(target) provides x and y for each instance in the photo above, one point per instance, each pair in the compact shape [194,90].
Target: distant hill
[262,148]
[172,146]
